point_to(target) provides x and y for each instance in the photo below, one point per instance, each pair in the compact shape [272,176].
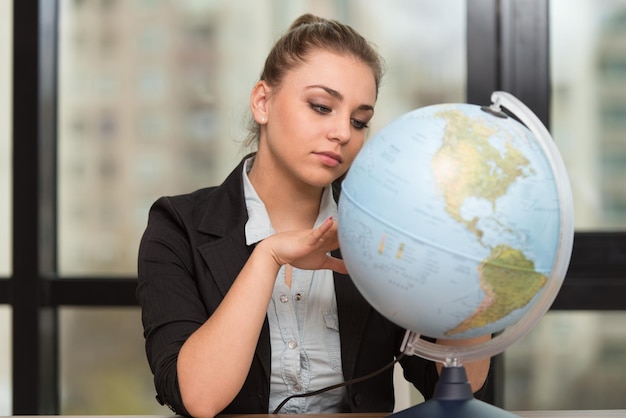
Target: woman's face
[317,119]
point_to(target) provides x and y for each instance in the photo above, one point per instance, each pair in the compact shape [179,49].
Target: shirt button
[292,344]
[297,388]
[298,296]
[284,298]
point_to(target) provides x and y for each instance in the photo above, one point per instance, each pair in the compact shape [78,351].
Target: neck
[289,205]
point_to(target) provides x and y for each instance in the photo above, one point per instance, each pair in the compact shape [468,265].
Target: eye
[359,124]
[319,108]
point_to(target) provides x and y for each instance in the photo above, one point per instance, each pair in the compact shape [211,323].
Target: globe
[456,221]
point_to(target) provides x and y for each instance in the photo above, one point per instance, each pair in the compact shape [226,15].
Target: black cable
[338,385]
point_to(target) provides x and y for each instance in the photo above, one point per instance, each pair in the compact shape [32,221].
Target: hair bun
[306,19]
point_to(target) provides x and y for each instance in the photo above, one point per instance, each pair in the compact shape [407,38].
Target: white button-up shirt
[304,327]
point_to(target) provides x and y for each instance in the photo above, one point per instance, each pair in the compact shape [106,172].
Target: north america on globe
[467,165]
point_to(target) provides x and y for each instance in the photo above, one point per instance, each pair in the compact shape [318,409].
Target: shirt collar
[258,226]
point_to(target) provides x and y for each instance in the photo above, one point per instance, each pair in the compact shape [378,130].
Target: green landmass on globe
[509,281]
[467,165]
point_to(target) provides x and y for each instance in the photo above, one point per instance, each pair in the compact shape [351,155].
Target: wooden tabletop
[617,413]
[609,413]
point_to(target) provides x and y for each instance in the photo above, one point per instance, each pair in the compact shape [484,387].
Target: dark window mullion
[35,380]
[524,53]
[5,287]
[92,291]
[483,71]
[25,284]
[596,279]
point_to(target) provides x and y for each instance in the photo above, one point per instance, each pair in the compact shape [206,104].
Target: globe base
[453,398]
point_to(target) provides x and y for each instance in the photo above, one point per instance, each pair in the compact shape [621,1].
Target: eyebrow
[338,95]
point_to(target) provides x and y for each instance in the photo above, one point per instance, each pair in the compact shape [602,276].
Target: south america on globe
[450,221]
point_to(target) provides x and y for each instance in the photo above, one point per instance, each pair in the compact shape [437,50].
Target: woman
[242,303]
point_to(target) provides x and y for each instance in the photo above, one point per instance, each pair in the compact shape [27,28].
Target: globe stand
[453,398]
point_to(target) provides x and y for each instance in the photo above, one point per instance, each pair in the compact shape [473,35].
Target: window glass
[102,364]
[153,96]
[571,360]
[6,67]
[588,107]
[6,64]
[6,391]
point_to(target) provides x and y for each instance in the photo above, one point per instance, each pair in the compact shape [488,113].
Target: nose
[342,131]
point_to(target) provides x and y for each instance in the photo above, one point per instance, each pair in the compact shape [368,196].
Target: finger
[326,226]
[335,264]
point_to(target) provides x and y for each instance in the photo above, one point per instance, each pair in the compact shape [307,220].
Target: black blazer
[190,254]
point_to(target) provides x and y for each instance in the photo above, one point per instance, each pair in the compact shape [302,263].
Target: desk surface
[618,413]
[610,413]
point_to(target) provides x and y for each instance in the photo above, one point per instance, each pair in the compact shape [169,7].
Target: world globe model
[456,221]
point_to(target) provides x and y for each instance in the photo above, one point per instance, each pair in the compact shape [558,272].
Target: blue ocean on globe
[449,221]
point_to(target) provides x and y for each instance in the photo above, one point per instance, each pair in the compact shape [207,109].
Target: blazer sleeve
[172,308]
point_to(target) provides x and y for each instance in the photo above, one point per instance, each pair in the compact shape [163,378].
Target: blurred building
[610,63]
[138,84]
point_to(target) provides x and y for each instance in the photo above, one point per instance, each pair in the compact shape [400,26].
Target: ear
[258,102]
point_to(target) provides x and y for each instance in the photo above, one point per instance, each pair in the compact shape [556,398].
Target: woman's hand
[307,249]
[207,382]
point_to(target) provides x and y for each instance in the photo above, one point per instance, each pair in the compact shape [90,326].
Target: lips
[330,159]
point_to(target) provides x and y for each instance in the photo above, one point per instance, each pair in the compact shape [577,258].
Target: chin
[321,178]
[322,182]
